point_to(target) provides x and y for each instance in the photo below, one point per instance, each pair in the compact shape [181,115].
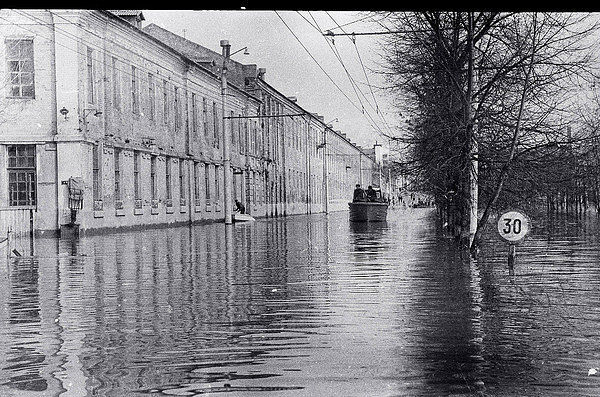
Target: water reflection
[303,306]
[24,355]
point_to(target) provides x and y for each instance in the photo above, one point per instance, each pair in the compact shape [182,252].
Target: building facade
[106,125]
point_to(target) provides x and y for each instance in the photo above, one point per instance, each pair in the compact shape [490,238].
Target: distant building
[129,121]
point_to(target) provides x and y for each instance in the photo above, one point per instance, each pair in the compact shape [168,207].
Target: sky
[321,84]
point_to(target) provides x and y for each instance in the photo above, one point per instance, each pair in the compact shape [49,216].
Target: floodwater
[303,306]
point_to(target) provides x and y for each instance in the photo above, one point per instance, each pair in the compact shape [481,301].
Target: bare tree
[485,89]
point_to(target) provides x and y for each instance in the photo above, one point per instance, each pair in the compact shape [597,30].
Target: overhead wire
[339,58]
[77,38]
[353,40]
[104,62]
[323,70]
[352,81]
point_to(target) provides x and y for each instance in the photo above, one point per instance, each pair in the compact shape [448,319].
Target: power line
[355,21]
[330,33]
[104,62]
[364,71]
[317,62]
[103,38]
[352,81]
[376,107]
[359,58]
[125,72]
[339,58]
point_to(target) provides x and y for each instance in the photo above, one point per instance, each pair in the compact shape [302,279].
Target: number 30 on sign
[513,226]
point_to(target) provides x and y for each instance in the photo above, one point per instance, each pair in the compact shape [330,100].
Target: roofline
[171,49]
[315,118]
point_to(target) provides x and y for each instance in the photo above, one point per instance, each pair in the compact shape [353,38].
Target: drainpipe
[53,114]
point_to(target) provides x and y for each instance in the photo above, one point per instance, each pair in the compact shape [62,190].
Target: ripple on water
[305,306]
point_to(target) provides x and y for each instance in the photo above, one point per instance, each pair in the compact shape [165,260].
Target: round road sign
[513,226]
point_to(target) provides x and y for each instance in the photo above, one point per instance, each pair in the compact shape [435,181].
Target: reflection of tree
[24,356]
[172,306]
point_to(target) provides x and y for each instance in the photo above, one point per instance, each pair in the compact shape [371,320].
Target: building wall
[93,78]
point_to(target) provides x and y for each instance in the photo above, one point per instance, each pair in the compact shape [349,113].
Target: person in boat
[359,194]
[371,194]
[239,207]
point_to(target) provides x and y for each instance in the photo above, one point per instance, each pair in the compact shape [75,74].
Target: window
[196,181]
[205,117]
[21,175]
[96,173]
[153,186]
[217,186]
[135,91]
[118,196]
[151,97]
[255,143]
[254,183]
[19,60]
[90,76]
[116,76]
[165,102]
[242,125]
[168,180]
[177,109]
[194,115]
[215,125]
[181,180]
[207,181]
[137,194]
[186,114]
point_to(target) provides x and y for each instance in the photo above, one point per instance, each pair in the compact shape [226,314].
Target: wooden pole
[31,233]
[512,255]
[8,247]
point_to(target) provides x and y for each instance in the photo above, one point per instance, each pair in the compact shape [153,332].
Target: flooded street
[303,306]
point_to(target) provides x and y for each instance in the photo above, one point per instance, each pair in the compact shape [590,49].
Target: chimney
[261,73]
[134,17]
[293,99]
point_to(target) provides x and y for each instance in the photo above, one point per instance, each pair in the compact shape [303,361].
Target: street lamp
[227,175]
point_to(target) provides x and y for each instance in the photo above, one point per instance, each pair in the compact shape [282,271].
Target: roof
[128,13]
[199,66]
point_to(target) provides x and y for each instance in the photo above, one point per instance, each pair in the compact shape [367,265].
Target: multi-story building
[105,125]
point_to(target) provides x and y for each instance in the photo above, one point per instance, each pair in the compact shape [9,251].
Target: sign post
[513,226]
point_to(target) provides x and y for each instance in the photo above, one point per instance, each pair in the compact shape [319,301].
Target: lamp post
[226,135]
[227,175]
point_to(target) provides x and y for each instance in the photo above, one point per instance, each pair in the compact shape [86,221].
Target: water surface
[303,306]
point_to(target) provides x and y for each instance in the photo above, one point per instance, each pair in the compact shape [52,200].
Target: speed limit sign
[513,226]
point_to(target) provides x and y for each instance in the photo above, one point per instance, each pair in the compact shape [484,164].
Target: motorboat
[373,209]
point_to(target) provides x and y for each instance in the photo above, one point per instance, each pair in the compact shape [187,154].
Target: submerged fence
[17,232]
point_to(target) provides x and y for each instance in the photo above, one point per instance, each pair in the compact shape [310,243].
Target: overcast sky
[290,68]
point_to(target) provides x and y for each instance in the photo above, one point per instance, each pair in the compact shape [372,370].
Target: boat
[369,211]
[237,217]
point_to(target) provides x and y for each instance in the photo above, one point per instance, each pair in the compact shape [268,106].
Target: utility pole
[308,178]
[227,202]
[325,171]
[473,152]
[360,178]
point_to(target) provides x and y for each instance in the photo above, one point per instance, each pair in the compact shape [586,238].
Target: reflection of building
[132,117]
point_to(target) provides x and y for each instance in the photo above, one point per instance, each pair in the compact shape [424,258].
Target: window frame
[20,72]
[30,172]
